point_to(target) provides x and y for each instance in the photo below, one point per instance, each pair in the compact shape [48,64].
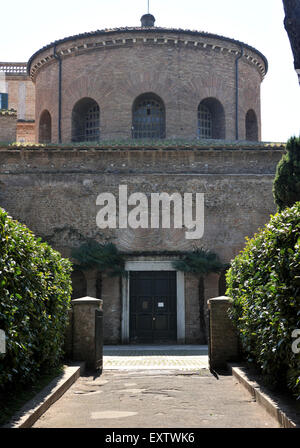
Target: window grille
[148,118]
[92,122]
[204,122]
[86,121]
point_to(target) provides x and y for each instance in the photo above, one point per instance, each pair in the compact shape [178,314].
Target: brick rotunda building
[147,82]
[156,110]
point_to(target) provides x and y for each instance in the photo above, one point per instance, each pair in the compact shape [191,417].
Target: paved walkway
[162,387]
[169,357]
[156,399]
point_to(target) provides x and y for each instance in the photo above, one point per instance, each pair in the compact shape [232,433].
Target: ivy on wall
[199,262]
[104,257]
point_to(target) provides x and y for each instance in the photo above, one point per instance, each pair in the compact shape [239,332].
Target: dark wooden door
[153,307]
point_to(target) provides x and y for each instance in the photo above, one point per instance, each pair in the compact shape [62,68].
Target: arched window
[148,117]
[78,285]
[251,126]
[45,127]
[211,119]
[86,121]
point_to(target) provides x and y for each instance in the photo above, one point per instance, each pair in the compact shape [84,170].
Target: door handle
[154,318]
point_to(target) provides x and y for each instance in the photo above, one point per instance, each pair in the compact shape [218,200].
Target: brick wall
[192,311]
[112,309]
[64,186]
[54,191]
[21,96]
[26,132]
[180,69]
[8,128]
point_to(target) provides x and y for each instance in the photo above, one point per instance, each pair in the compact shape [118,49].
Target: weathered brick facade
[21,98]
[54,191]
[115,67]
[8,127]
[25,131]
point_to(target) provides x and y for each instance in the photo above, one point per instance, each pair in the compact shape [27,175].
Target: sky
[26,26]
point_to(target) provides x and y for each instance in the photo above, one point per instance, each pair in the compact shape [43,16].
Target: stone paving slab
[156,399]
[161,357]
[155,362]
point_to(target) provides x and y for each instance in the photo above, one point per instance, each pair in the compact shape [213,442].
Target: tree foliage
[292,26]
[264,283]
[199,262]
[286,188]
[35,292]
[104,257]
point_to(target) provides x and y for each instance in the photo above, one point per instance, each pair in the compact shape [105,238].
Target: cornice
[153,36]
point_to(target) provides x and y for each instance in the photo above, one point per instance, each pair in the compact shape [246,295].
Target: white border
[153,266]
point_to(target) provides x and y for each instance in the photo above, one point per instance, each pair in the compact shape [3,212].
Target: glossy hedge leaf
[263,280]
[35,291]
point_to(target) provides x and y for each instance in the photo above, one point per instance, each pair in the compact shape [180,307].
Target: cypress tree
[286,187]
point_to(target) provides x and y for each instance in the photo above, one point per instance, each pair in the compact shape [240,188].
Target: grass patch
[129,143]
[12,401]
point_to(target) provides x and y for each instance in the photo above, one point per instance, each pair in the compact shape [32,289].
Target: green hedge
[35,291]
[264,283]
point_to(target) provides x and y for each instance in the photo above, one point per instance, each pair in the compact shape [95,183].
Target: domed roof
[147,26]
[147,20]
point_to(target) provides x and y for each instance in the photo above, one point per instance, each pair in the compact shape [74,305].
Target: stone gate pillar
[223,338]
[84,343]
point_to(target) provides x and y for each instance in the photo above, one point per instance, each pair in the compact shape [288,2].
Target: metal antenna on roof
[148,20]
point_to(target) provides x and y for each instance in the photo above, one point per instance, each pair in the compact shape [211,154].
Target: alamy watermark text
[152,213]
